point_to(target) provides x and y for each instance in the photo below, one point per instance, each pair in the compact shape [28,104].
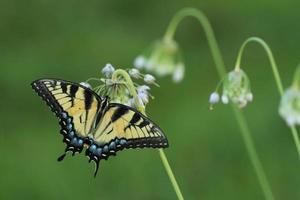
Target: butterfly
[89,121]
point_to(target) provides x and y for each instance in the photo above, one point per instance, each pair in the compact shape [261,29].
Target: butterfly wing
[123,127]
[76,107]
[86,118]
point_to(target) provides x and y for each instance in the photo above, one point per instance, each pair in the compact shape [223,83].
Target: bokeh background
[73,40]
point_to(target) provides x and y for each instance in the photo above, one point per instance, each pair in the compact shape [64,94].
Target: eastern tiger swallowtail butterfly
[90,121]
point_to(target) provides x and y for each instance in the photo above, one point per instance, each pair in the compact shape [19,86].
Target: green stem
[246,135]
[141,108]
[172,178]
[276,75]
[253,154]
[296,80]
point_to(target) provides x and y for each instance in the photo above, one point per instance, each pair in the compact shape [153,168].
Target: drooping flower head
[289,108]
[163,58]
[236,89]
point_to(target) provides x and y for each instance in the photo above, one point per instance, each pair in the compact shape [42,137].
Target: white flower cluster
[289,108]
[163,58]
[118,90]
[236,89]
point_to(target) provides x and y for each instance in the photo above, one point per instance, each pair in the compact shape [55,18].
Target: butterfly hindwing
[123,127]
[76,107]
[123,122]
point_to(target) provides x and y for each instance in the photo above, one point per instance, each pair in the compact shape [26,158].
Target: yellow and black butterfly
[91,121]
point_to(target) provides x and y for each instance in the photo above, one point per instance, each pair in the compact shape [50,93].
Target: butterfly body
[92,122]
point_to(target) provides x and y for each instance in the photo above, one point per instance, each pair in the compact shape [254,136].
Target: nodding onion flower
[236,89]
[117,89]
[163,58]
[289,108]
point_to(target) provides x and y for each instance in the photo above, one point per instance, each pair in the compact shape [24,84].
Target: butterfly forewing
[79,103]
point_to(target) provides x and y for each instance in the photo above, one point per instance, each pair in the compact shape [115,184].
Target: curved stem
[141,108]
[270,56]
[200,16]
[218,59]
[276,77]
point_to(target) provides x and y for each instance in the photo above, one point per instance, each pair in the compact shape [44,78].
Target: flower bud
[108,70]
[135,73]
[178,73]
[148,78]
[224,99]
[143,89]
[214,98]
[139,62]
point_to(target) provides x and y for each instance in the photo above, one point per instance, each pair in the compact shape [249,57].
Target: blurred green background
[73,40]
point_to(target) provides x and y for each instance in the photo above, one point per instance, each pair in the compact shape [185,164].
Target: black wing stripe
[88,99]
[144,123]
[135,118]
[73,90]
[120,111]
[64,87]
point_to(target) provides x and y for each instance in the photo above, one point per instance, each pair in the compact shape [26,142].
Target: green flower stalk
[289,108]
[162,58]
[246,135]
[285,96]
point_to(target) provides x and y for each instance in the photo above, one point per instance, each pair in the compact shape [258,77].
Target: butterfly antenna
[96,167]
[61,158]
